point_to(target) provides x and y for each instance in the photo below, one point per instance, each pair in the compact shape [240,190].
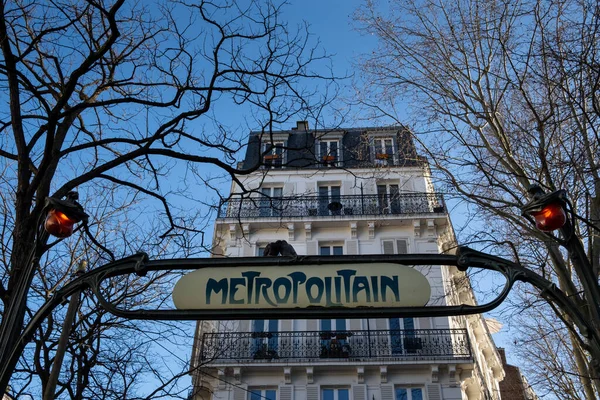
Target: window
[333,325]
[260,250]
[402,336]
[335,394]
[403,393]
[384,151]
[329,152]
[388,199]
[262,394]
[274,154]
[334,339]
[331,250]
[329,200]
[270,205]
[264,343]
[402,330]
[395,246]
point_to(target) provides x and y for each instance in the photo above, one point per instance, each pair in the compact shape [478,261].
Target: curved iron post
[549,290]
[80,283]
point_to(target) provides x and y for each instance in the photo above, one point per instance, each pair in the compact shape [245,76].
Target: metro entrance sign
[338,285]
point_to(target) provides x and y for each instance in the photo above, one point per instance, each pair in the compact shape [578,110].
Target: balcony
[363,345]
[316,206]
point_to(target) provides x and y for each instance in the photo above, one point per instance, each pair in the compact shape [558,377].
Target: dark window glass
[417,394]
[401,394]
[271,394]
[327,394]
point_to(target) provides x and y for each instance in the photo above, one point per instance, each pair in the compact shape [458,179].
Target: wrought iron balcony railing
[318,206]
[375,160]
[411,344]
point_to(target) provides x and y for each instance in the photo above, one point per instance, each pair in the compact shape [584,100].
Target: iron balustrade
[409,344]
[321,206]
[377,160]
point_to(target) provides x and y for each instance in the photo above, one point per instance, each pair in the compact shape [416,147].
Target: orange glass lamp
[548,210]
[62,216]
[550,218]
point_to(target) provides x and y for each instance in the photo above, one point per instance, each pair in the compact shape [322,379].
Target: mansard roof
[300,145]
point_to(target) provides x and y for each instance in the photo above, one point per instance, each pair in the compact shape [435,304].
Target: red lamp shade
[59,224]
[550,218]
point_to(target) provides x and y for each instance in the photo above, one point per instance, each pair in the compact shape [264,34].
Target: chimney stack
[301,126]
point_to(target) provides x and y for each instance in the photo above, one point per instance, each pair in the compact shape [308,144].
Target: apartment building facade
[355,191]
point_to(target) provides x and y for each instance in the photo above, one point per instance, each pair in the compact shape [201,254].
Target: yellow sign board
[356,285]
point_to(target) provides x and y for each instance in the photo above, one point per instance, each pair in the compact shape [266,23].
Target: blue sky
[332,21]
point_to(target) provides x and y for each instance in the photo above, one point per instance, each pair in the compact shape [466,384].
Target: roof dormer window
[384,151]
[274,155]
[329,152]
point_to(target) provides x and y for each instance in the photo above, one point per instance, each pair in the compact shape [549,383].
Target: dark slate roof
[301,149]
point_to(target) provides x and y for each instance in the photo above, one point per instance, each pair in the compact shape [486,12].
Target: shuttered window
[311,247]
[395,246]
[359,392]
[239,393]
[401,246]
[351,246]
[312,392]
[387,392]
[434,391]
[286,392]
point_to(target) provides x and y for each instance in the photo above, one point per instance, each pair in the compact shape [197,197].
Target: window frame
[381,154]
[335,392]
[270,204]
[331,246]
[274,146]
[409,391]
[388,200]
[260,249]
[395,245]
[262,395]
[334,193]
[321,155]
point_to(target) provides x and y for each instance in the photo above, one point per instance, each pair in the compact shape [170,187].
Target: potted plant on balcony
[335,349]
[325,335]
[382,156]
[328,159]
[412,344]
[264,353]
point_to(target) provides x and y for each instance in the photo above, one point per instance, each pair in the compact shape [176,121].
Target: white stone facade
[382,209]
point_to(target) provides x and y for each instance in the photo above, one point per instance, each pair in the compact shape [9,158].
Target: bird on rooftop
[280,247]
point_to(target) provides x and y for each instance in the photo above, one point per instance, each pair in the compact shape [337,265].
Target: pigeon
[285,248]
[280,247]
